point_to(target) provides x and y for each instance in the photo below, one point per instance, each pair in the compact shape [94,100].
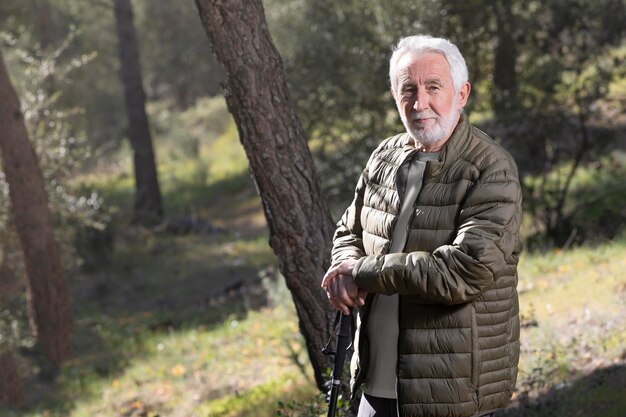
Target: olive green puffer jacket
[458,347]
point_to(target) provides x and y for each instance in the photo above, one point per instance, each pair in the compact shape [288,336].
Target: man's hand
[340,288]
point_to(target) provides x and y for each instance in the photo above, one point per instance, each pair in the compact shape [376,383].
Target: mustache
[427,114]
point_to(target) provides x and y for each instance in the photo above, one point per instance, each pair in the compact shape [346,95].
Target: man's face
[428,105]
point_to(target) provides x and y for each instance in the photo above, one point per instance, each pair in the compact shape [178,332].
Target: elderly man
[428,252]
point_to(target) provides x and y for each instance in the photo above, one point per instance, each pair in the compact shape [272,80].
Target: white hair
[420,44]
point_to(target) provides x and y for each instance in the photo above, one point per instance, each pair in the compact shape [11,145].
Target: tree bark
[613,21]
[48,298]
[505,59]
[44,23]
[148,209]
[280,161]
[11,390]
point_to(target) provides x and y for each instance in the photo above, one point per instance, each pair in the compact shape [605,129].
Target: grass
[574,317]
[179,371]
[262,400]
[182,371]
[231,362]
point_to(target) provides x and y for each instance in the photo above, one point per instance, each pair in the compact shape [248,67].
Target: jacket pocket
[475,352]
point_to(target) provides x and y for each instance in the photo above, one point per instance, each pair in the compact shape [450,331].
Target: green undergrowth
[148,364]
[593,210]
[573,311]
[182,371]
[190,184]
[263,400]
[241,362]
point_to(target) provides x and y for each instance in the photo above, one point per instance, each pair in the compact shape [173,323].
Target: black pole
[343,343]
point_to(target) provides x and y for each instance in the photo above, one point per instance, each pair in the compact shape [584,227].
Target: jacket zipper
[407,160]
[408,227]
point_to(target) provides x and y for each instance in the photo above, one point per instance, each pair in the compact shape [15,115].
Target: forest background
[182,311]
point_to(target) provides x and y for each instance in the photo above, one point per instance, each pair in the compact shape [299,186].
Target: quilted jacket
[458,347]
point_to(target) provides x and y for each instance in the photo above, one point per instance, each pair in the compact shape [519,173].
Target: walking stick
[343,344]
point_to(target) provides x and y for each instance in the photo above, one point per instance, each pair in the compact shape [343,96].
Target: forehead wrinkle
[439,70]
[435,81]
[405,78]
[404,72]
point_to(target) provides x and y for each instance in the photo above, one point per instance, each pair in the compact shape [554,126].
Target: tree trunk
[44,24]
[613,21]
[48,298]
[11,391]
[281,164]
[148,208]
[504,73]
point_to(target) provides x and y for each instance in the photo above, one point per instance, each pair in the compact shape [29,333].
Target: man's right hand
[340,288]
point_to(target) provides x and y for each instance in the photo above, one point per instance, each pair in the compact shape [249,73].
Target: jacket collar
[454,147]
[450,152]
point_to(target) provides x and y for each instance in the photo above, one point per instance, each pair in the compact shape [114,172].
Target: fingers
[342,293]
[345,290]
[344,268]
[360,299]
[330,274]
[341,290]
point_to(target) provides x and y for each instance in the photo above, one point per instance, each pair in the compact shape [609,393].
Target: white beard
[430,135]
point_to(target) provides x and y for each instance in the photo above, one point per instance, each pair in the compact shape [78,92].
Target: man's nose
[421,101]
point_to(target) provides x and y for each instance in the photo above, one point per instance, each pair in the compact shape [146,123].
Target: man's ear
[463,95]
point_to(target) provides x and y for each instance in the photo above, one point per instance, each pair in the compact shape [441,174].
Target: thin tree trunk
[148,206]
[44,23]
[504,73]
[11,390]
[613,21]
[48,298]
[280,161]
[560,230]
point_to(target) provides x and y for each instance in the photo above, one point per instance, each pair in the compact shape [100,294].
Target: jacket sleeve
[486,238]
[348,238]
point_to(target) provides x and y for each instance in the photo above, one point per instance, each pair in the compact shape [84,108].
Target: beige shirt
[382,325]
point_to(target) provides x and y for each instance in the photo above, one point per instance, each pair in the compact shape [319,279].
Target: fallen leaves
[178,370]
